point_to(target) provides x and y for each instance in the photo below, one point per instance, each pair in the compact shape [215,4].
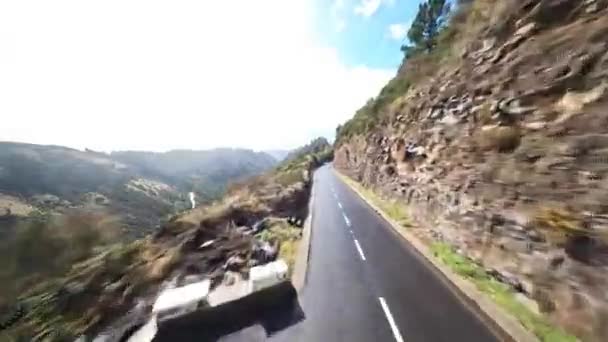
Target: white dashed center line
[346,219]
[340,205]
[391,320]
[360,250]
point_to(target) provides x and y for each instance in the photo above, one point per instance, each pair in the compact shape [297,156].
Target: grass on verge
[500,293]
[392,208]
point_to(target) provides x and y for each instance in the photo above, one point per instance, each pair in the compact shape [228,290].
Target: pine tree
[429,20]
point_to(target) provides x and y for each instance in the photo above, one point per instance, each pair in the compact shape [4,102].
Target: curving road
[365,283]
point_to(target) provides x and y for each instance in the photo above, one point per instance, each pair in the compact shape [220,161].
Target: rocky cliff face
[502,152]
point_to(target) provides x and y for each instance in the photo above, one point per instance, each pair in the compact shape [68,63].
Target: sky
[160,75]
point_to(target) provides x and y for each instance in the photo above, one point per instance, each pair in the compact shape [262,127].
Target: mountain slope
[279,155]
[318,145]
[110,287]
[204,172]
[496,142]
[143,188]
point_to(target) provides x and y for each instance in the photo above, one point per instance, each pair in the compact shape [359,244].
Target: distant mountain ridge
[279,155]
[205,172]
[141,187]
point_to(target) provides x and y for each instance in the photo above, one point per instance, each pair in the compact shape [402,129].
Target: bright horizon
[159,75]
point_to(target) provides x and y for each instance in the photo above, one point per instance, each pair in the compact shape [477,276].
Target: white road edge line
[359,249]
[391,320]
[346,219]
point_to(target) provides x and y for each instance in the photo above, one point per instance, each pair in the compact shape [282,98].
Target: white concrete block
[146,333]
[264,276]
[181,300]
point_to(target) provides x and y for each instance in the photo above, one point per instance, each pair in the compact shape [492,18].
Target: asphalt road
[365,283]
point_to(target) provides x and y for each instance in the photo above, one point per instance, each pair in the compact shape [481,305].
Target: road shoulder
[303,255]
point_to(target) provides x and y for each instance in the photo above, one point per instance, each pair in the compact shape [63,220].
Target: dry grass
[484,116]
[161,267]
[288,238]
[287,178]
[558,224]
[500,139]
[14,206]
[47,247]
[195,216]
[288,252]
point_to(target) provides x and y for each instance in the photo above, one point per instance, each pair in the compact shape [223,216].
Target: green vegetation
[392,208]
[289,177]
[363,120]
[75,272]
[142,187]
[45,246]
[63,306]
[206,173]
[280,230]
[439,34]
[287,237]
[559,224]
[425,28]
[314,154]
[500,293]
[317,148]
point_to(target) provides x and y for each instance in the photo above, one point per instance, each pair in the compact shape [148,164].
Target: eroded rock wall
[504,155]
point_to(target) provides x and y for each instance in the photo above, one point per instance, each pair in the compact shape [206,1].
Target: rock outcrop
[503,153]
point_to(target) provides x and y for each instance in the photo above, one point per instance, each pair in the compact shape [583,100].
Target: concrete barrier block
[180,300]
[261,277]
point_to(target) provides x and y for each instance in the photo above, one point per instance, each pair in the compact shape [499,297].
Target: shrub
[287,237]
[46,246]
[287,178]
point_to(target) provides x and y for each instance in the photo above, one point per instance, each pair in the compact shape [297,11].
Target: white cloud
[336,9]
[367,8]
[338,5]
[399,31]
[159,75]
[340,25]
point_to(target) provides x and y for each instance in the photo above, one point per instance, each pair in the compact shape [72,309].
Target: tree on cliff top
[431,17]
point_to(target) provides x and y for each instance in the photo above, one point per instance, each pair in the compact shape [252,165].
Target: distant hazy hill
[279,155]
[141,187]
[27,170]
[205,172]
